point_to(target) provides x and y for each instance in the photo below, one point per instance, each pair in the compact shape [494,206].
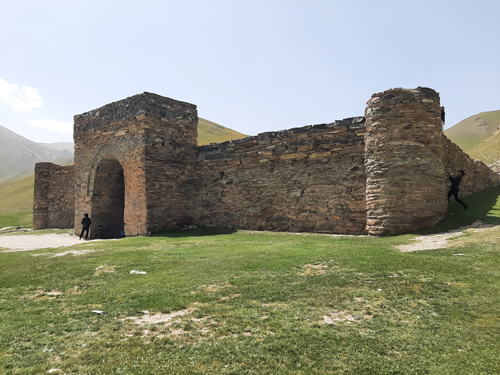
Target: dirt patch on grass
[70,252]
[104,269]
[342,316]
[158,318]
[34,242]
[214,288]
[442,240]
[168,325]
[52,294]
[313,269]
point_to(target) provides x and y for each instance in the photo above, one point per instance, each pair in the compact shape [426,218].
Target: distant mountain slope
[211,132]
[488,151]
[472,131]
[60,146]
[18,154]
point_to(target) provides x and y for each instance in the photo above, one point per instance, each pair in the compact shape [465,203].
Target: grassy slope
[259,303]
[473,130]
[16,202]
[210,132]
[488,151]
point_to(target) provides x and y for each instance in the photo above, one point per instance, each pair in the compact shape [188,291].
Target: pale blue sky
[250,65]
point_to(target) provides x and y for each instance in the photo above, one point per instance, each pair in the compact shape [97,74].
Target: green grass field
[16,202]
[257,303]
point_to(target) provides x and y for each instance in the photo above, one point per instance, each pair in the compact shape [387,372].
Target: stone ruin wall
[478,175]
[102,153]
[142,143]
[385,176]
[308,179]
[54,196]
[404,161]
[408,160]
[171,144]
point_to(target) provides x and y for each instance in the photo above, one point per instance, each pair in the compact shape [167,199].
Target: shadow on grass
[483,206]
[197,232]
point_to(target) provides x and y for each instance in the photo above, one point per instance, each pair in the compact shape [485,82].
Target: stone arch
[106,188]
[107,151]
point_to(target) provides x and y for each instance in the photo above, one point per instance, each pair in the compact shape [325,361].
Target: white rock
[135,272]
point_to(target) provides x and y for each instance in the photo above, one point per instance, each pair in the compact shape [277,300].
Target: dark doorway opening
[108,197]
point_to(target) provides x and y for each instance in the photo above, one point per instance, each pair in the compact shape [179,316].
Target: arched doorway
[108,195]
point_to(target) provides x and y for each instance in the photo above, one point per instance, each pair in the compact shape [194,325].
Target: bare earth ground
[441,240]
[26,242]
[14,243]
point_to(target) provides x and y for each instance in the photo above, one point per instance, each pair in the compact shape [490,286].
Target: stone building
[138,168]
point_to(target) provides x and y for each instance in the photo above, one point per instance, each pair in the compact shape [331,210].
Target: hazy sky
[250,65]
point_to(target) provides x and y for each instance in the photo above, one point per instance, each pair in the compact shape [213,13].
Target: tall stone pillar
[405,177]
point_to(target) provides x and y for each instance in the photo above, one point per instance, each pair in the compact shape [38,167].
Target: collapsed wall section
[54,196]
[305,179]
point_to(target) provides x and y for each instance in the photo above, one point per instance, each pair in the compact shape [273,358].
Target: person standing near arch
[86,222]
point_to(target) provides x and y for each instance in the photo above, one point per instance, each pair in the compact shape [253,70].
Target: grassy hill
[211,132]
[16,202]
[488,151]
[472,131]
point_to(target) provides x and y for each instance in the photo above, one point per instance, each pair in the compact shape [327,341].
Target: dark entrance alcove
[108,195]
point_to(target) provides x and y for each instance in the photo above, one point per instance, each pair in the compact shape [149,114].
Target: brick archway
[108,151]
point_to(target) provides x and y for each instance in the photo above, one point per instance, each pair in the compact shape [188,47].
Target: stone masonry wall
[137,168]
[478,176]
[53,200]
[404,161]
[169,161]
[304,179]
[152,139]
[120,141]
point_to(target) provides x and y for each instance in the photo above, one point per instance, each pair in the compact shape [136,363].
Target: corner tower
[404,159]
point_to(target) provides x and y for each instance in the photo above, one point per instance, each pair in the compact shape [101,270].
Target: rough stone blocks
[138,170]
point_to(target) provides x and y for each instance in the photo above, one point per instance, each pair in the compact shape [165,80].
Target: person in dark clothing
[442,115]
[85,226]
[455,188]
